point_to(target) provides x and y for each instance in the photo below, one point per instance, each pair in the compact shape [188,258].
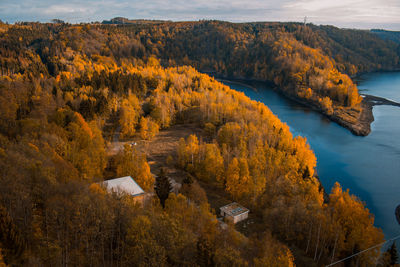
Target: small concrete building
[125,185]
[234,212]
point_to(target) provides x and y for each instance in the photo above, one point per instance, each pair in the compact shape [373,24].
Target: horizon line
[16,22]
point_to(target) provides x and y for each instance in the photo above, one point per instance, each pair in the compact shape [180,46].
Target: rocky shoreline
[359,123]
[362,125]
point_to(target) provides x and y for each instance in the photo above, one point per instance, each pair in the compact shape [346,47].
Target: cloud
[343,13]
[349,12]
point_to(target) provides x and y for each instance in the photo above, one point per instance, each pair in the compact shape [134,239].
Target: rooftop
[123,184]
[234,209]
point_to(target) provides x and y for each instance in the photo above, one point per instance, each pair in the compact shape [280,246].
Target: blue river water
[368,166]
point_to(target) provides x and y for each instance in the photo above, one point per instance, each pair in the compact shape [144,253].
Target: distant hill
[387,35]
[353,50]
[125,21]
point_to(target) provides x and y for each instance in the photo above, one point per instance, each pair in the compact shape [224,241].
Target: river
[368,166]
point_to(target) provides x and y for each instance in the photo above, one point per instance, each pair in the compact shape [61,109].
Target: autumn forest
[66,91]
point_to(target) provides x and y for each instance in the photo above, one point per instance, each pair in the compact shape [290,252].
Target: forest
[308,63]
[65,89]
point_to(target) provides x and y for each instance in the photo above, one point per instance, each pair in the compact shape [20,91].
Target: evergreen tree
[393,254]
[10,239]
[188,179]
[205,252]
[162,187]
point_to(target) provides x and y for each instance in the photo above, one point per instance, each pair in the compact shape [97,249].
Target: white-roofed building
[125,185]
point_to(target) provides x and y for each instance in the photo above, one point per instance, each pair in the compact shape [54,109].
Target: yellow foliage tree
[357,231]
[129,116]
[148,128]
[131,163]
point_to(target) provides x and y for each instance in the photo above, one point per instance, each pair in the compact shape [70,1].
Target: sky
[362,14]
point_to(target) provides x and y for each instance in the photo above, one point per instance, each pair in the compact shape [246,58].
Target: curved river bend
[368,166]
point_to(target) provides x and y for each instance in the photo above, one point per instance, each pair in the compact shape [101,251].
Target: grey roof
[124,184]
[234,209]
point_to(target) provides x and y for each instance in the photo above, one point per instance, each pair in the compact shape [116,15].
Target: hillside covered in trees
[308,63]
[65,89]
[387,35]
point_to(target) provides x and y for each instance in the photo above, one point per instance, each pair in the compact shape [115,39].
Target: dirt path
[116,145]
[165,144]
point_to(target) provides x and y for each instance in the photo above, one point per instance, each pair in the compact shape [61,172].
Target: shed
[234,212]
[125,185]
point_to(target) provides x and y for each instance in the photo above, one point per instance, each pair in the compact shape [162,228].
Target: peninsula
[310,64]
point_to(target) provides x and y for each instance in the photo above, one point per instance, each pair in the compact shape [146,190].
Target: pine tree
[10,239]
[188,179]
[162,187]
[393,254]
[205,252]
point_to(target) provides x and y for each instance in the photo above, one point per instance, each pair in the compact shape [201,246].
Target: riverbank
[357,121]
[345,157]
